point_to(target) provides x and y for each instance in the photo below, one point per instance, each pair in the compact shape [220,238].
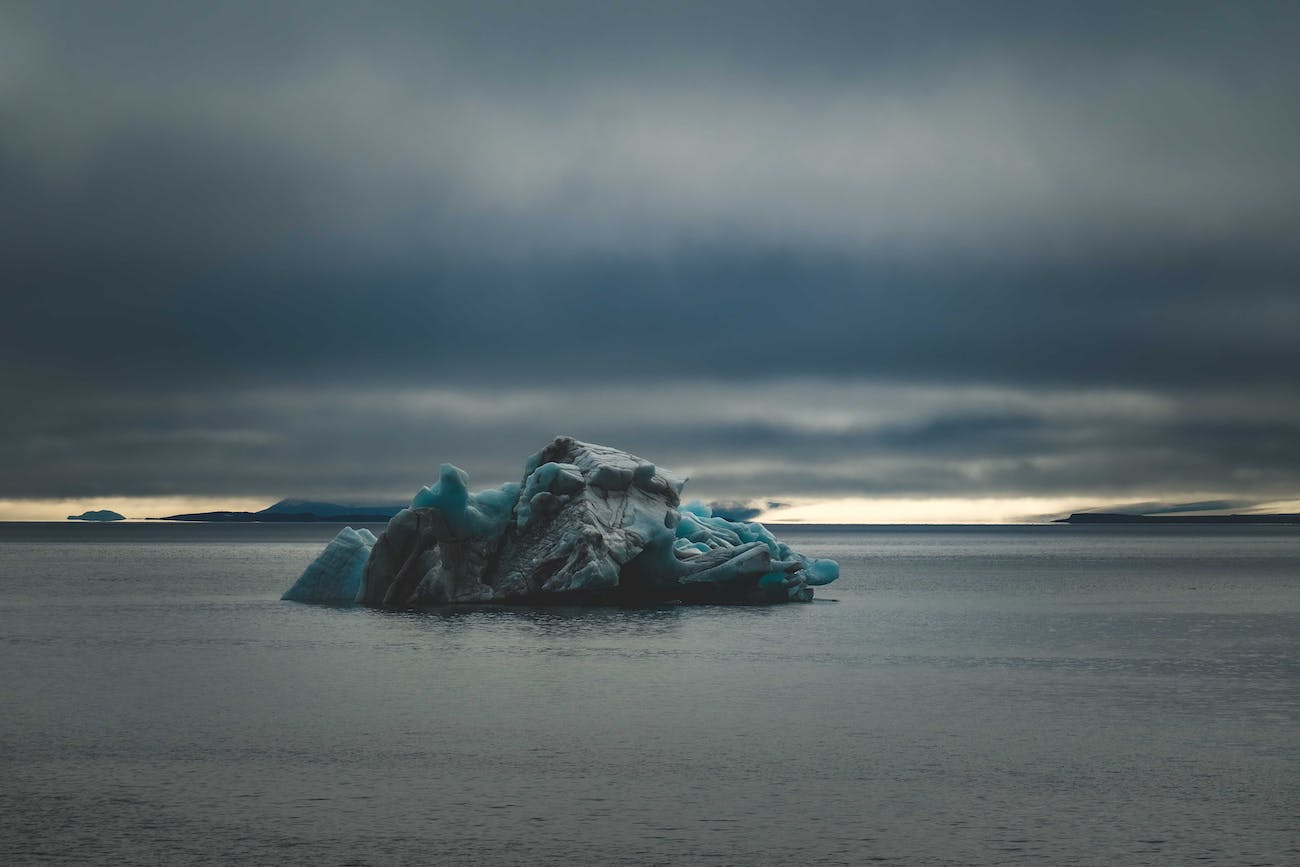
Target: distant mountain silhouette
[297,512]
[1118,518]
[310,507]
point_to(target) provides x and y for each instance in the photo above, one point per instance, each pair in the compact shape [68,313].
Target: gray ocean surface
[972,695]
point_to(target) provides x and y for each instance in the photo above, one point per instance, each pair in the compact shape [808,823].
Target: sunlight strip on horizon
[928,510]
[133,508]
[886,510]
[848,510]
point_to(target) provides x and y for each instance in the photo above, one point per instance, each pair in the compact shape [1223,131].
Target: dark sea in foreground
[973,695]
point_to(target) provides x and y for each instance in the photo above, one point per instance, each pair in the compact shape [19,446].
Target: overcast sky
[998,258]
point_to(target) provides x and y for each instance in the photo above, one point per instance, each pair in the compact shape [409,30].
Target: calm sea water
[1087,695]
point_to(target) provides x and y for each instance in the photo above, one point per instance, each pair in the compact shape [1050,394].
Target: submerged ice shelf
[588,524]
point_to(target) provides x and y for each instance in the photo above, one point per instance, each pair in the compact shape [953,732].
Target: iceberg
[587,525]
[334,577]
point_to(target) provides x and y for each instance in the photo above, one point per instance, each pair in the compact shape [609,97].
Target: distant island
[100,515]
[297,512]
[1118,518]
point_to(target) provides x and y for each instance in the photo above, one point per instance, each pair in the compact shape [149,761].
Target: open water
[963,695]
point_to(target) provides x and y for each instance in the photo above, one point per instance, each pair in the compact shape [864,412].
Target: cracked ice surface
[588,524]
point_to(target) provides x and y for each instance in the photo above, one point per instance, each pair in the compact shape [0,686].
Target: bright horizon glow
[970,510]
[927,510]
[133,508]
[848,510]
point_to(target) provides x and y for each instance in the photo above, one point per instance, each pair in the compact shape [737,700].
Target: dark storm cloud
[209,204]
[733,441]
[734,510]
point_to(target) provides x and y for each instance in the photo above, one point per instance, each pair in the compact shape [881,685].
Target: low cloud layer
[802,250]
[802,439]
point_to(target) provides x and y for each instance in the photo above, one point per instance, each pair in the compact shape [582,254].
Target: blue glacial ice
[588,524]
[334,577]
